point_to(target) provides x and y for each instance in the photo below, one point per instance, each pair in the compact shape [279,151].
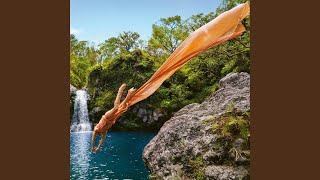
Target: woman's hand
[97,149]
[123,87]
[94,134]
[94,150]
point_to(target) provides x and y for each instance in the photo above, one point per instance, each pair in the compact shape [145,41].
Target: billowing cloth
[224,27]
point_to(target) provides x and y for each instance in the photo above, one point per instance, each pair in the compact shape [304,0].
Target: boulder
[185,146]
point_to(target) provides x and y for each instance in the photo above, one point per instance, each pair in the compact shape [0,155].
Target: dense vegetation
[131,60]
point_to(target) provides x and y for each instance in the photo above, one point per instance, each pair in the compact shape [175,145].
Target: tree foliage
[167,34]
[128,59]
[126,42]
[82,57]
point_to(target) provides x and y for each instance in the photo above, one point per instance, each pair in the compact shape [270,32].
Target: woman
[109,118]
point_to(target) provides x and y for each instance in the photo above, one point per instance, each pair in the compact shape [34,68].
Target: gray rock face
[186,136]
[147,115]
[72,90]
[72,96]
[225,172]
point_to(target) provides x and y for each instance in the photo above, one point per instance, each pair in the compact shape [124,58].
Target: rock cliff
[72,96]
[208,140]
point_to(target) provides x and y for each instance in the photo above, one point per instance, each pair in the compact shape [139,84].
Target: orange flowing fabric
[224,27]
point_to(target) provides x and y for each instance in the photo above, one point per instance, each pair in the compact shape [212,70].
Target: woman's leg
[118,98]
[128,97]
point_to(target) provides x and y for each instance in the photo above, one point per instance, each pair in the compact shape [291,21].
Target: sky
[97,20]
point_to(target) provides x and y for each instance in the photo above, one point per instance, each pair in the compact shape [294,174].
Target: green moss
[200,174]
[177,177]
[233,124]
[105,98]
[152,177]
[173,158]
[197,167]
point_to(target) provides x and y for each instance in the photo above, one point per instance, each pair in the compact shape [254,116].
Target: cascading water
[80,118]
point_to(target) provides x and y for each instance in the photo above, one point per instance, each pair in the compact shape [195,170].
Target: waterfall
[80,118]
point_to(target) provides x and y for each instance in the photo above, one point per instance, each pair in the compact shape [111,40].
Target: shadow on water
[120,157]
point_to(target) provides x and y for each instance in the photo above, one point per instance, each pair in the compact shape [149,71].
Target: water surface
[120,157]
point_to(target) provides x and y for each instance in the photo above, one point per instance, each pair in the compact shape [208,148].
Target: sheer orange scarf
[224,27]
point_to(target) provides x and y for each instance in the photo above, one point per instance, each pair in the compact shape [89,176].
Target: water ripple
[119,158]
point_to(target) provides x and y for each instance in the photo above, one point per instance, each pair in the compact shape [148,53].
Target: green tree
[228,4]
[109,48]
[168,34]
[82,57]
[126,58]
[126,42]
[196,21]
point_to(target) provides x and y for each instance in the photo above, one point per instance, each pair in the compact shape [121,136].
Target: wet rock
[72,90]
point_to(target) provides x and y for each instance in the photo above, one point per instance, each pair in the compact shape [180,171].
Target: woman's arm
[94,134]
[101,141]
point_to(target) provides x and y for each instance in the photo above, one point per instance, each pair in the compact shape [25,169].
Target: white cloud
[74,31]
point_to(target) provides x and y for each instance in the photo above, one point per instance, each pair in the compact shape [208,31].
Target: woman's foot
[132,90]
[123,87]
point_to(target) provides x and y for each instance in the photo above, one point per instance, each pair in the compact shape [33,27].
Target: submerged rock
[186,147]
